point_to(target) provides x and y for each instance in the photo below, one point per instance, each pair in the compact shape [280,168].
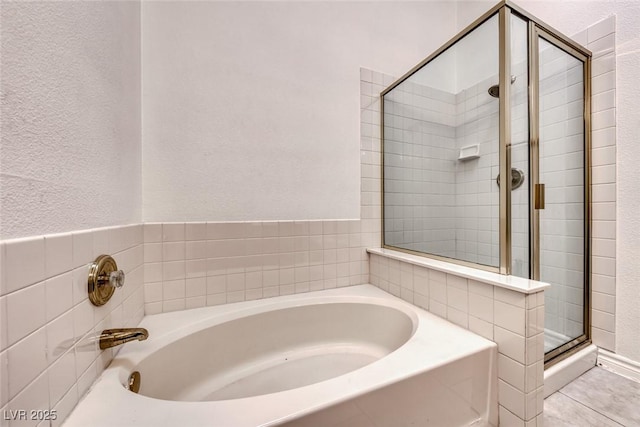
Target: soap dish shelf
[469,152]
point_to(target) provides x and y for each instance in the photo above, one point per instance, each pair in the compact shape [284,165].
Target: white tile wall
[477,195]
[420,158]
[48,352]
[600,38]
[513,320]
[190,265]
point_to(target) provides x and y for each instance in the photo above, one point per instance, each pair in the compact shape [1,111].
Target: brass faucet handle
[116,278]
[104,279]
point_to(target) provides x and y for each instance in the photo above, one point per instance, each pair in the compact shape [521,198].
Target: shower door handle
[538,194]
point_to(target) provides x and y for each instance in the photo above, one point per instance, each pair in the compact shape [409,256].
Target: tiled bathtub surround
[48,350]
[514,320]
[191,265]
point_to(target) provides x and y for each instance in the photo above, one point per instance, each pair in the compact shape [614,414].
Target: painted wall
[251,110]
[572,17]
[70,155]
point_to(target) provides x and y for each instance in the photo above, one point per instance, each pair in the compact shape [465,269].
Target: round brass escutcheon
[104,277]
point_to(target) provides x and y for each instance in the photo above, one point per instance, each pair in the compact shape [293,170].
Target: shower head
[495,89]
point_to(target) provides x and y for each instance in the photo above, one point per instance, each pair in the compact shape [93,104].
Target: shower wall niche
[508,97]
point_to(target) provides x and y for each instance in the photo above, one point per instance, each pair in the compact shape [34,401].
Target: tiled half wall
[49,354]
[514,320]
[191,265]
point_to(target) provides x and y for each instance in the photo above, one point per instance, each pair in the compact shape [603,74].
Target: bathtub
[348,356]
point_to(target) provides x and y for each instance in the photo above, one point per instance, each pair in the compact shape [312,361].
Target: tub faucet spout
[113,337]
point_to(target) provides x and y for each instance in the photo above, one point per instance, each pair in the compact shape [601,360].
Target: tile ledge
[518,284]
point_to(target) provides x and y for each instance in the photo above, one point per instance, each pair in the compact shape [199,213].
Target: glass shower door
[563,217]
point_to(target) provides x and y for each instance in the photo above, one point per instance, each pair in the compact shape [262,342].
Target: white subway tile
[512,372]
[196,231]
[603,320]
[216,285]
[58,253]
[237,296]
[481,307]
[152,308]
[62,376]
[603,82]
[173,305]
[603,339]
[152,252]
[458,299]
[173,251]
[480,288]
[60,336]
[481,327]
[82,318]
[601,29]
[510,297]
[24,263]
[510,344]
[195,287]
[603,302]
[534,351]
[173,289]
[100,242]
[602,64]
[509,317]
[601,42]
[511,398]
[59,295]
[86,378]
[173,270]
[117,239]
[173,232]
[34,397]
[25,312]
[195,302]
[64,406]
[28,359]
[152,233]
[153,292]
[4,378]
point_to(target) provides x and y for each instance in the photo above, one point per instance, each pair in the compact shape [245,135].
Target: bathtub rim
[406,361]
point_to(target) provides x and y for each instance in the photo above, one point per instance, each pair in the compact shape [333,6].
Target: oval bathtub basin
[339,357]
[274,351]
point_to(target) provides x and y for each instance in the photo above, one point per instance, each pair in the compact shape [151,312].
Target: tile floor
[597,398]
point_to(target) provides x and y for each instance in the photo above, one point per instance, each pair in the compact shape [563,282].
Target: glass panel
[562,172]
[520,147]
[441,154]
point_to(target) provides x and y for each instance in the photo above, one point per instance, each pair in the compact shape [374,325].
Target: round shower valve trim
[104,278]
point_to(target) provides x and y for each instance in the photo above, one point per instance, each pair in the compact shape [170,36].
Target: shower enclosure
[486,161]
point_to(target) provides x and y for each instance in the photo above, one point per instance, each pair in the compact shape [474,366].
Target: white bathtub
[349,356]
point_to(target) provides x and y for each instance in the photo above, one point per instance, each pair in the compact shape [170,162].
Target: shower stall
[486,161]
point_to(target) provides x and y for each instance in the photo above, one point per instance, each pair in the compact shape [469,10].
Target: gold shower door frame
[536,29]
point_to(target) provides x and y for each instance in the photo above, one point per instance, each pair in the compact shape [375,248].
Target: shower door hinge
[538,195]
